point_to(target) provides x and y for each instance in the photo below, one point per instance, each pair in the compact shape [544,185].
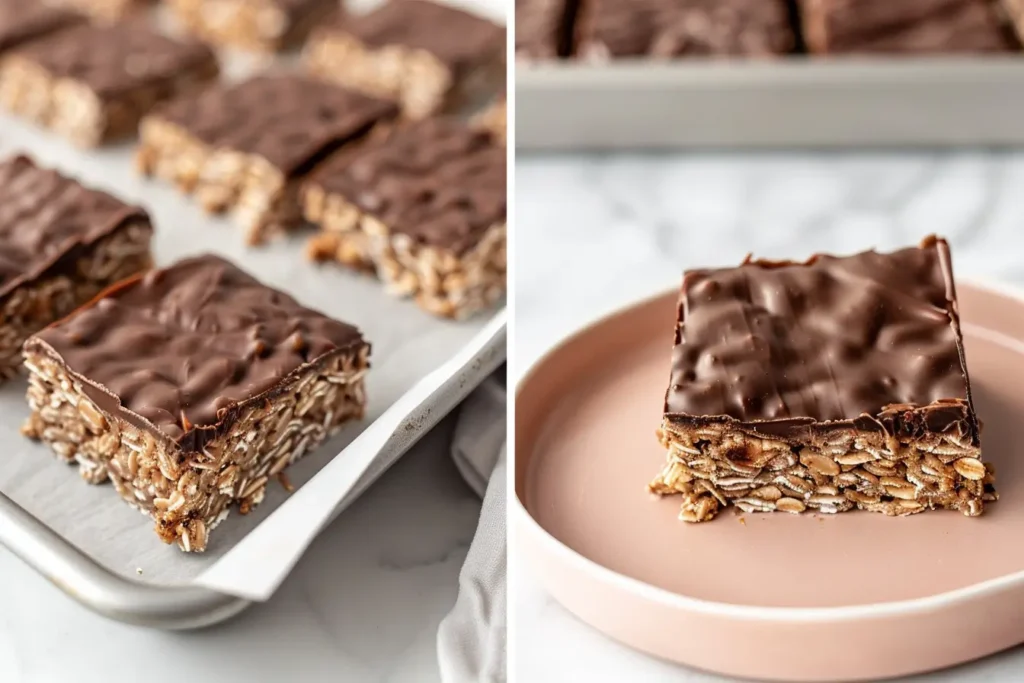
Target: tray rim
[184,607]
[529,526]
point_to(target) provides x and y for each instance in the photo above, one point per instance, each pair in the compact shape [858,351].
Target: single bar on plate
[908,26]
[60,245]
[246,147]
[103,10]
[666,29]
[25,20]
[544,28]
[427,56]
[264,25]
[189,388]
[829,385]
[423,205]
[94,83]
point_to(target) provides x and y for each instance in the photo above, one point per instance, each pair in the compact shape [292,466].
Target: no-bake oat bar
[247,147]
[189,388]
[264,25]
[423,205]
[24,20]
[60,245]
[94,83]
[544,28]
[908,26]
[829,385]
[608,29]
[428,56]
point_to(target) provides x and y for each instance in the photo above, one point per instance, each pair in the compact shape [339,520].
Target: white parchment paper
[413,355]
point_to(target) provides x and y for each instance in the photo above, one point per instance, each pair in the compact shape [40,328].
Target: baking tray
[422,368]
[792,102]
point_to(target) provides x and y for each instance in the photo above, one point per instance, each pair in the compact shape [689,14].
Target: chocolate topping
[881,26]
[438,181]
[179,351]
[871,340]
[45,218]
[458,39]
[671,28]
[289,120]
[22,20]
[116,58]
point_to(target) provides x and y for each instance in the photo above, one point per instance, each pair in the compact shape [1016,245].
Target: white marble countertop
[363,604]
[605,231]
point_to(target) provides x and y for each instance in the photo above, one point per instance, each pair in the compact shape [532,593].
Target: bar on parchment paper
[668,29]
[60,245]
[262,25]
[825,386]
[905,27]
[423,205]
[428,56]
[246,147]
[94,83]
[189,388]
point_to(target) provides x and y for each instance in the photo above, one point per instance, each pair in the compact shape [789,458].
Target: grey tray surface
[793,102]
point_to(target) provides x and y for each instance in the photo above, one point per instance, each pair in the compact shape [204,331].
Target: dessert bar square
[103,10]
[427,56]
[909,26]
[544,28]
[94,83]
[829,385]
[423,205]
[264,25]
[189,388]
[246,147]
[24,20]
[666,29]
[60,245]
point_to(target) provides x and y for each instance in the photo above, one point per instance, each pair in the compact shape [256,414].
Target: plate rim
[785,615]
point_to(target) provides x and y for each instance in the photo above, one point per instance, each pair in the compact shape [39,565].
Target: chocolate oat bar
[246,147]
[829,385]
[103,10]
[422,205]
[665,29]
[189,388]
[908,26]
[544,28]
[427,56]
[94,83]
[25,20]
[265,25]
[60,245]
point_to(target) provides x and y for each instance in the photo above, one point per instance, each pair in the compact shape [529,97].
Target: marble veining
[604,231]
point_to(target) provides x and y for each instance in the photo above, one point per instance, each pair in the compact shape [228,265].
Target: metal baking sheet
[793,102]
[100,551]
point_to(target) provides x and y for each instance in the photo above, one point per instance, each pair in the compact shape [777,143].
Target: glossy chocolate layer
[22,20]
[438,181]
[781,348]
[180,350]
[117,58]
[672,28]
[907,26]
[46,218]
[289,120]
[458,39]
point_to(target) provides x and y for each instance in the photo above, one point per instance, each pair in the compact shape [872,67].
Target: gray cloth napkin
[471,639]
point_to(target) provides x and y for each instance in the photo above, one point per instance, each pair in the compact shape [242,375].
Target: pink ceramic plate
[845,597]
